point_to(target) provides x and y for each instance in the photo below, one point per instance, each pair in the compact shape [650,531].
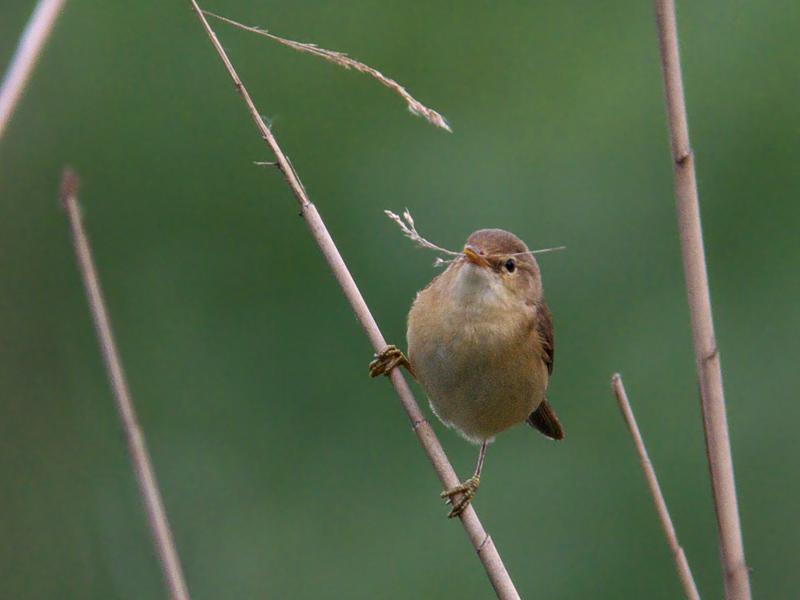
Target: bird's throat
[475,288]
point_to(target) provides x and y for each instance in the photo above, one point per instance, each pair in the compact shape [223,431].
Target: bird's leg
[461,495]
[386,360]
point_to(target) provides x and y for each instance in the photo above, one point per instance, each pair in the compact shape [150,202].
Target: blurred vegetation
[285,471]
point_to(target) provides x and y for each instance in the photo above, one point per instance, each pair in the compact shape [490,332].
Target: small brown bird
[480,342]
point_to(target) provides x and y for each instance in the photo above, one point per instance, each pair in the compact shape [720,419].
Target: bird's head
[496,267]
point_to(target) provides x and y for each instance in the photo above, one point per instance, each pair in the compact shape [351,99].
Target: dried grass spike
[410,231]
[406,225]
[415,107]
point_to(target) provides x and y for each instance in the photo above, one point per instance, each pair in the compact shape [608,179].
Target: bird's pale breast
[480,364]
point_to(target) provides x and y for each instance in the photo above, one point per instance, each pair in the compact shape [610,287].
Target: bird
[480,344]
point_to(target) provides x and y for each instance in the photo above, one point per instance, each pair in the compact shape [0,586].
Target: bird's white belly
[478,379]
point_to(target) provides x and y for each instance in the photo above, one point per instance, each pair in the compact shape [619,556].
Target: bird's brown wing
[544,418]
[544,329]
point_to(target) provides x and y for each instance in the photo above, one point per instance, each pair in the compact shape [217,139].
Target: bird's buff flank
[480,343]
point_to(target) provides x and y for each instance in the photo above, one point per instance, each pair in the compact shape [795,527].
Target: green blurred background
[286,472]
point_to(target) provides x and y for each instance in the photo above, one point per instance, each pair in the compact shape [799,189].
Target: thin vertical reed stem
[137,449]
[715,420]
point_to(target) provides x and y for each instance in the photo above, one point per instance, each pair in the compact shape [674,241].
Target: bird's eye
[510,265]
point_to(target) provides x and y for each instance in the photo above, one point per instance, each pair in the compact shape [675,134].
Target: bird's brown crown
[500,243]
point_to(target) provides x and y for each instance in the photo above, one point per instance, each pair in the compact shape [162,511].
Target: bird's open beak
[472,255]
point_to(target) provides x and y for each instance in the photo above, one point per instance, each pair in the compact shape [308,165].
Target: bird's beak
[472,255]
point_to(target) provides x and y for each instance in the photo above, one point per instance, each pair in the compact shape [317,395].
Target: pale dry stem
[681,564]
[36,33]
[707,361]
[137,448]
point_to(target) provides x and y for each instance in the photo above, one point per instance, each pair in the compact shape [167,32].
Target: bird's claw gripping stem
[386,360]
[461,495]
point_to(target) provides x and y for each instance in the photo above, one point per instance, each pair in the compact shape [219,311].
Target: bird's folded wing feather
[544,417]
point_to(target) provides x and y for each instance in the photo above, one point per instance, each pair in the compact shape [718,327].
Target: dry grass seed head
[409,229]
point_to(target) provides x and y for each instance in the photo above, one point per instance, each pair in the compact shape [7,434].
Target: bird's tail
[545,420]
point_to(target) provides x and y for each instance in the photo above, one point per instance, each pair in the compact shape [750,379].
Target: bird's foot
[386,360]
[461,495]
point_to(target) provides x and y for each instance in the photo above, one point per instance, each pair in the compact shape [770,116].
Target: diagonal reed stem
[27,53]
[481,541]
[709,373]
[137,449]
[681,564]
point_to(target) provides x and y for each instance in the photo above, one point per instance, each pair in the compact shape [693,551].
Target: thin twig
[25,56]
[715,421]
[409,229]
[137,449]
[481,541]
[681,564]
[415,107]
